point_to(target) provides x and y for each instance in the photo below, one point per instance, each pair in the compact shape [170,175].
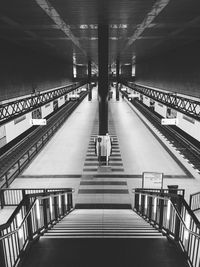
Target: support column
[89,81]
[117,79]
[103,83]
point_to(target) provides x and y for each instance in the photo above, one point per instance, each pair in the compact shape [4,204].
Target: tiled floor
[63,160]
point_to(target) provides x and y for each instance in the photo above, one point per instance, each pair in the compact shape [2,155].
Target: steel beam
[155,11]
[184,105]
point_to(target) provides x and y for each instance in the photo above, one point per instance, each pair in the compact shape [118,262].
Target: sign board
[152,180]
[169,121]
[38,121]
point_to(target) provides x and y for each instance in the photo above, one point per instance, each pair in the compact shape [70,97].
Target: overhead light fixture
[114,38]
[118,26]
[83,26]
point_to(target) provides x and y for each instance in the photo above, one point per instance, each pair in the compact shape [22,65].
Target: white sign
[152,180]
[169,121]
[38,121]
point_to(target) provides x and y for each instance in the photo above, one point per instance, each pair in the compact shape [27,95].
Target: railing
[12,197]
[165,191]
[33,216]
[24,159]
[195,201]
[184,105]
[171,214]
[11,110]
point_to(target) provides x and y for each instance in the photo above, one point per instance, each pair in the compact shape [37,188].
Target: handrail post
[142,203]
[2,255]
[150,207]
[29,221]
[136,201]
[2,198]
[161,204]
[56,207]
[177,222]
[45,212]
[69,201]
[63,204]
[6,175]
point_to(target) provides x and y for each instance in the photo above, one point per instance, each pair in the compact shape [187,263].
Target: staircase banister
[167,196]
[184,224]
[157,194]
[36,196]
[3,226]
[44,195]
[13,215]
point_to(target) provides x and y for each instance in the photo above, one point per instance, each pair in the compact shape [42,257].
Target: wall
[14,129]
[22,71]
[189,125]
[177,71]
[161,109]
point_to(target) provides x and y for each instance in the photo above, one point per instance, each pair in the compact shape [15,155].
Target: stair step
[103,223]
[102,236]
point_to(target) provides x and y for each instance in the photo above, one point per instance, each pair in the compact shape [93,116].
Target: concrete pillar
[117,79]
[89,80]
[103,82]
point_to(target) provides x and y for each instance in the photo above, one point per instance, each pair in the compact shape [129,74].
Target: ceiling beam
[155,11]
[17,26]
[174,34]
[53,14]
[171,25]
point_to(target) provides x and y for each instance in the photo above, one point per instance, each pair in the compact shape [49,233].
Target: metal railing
[12,197]
[182,104]
[33,216]
[25,158]
[14,109]
[195,201]
[171,214]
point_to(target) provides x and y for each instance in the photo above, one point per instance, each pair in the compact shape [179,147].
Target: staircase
[103,238]
[102,223]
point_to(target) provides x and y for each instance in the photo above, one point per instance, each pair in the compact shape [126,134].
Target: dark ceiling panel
[25,23]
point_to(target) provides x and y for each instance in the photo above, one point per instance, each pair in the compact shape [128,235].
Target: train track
[186,145]
[10,157]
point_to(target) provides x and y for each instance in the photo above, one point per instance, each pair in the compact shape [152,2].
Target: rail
[171,214]
[186,148]
[12,197]
[33,216]
[195,201]
[73,87]
[35,145]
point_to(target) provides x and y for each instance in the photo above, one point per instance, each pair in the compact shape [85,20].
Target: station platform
[69,160]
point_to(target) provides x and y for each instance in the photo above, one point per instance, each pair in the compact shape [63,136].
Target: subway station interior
[100,133]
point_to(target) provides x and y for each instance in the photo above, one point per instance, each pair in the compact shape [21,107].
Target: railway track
[179,140]
[186,145]
[9,158]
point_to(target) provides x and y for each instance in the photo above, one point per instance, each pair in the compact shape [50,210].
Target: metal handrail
[29,211]
[18,228]
[169,196]
[182,221]
[191,201]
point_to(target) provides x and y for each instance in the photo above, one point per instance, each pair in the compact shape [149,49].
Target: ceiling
[66,28]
